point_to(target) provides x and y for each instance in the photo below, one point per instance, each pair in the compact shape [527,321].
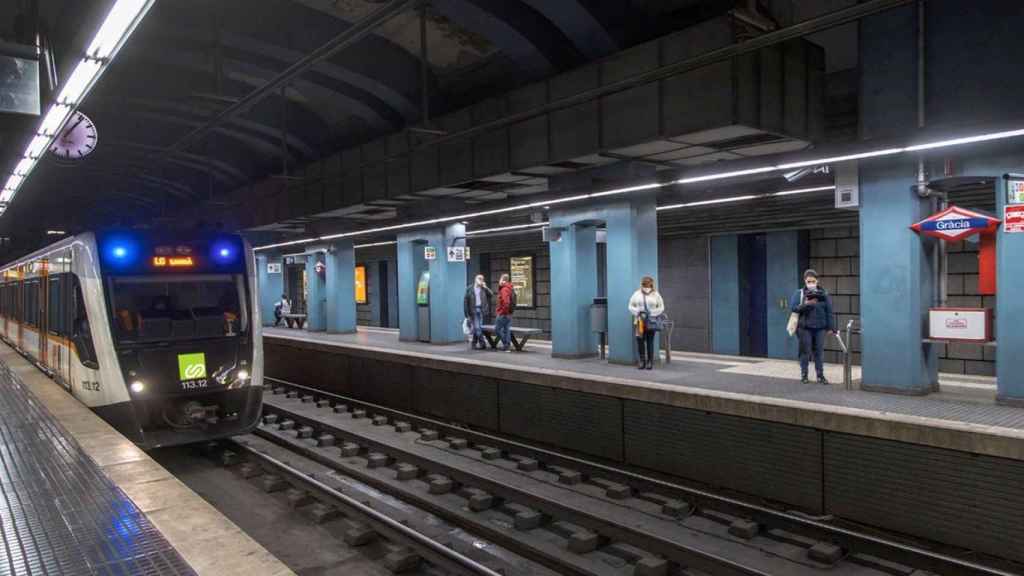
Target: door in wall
[753,295]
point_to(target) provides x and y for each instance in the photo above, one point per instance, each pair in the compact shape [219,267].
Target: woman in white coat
[646,306]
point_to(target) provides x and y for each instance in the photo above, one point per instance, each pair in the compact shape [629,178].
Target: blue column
[783,278]
[632,254]
[270,286]
[1009,309]
[573,288]
[896,281]
[447,283]
[447,289]
[315,299]
[340,284]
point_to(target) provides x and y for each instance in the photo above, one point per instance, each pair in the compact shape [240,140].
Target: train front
[186,333]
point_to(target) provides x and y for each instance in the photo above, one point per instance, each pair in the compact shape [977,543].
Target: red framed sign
[955,223]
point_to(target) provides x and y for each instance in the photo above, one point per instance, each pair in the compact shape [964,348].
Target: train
[157,332]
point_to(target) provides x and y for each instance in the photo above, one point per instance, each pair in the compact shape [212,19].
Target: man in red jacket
[506,305]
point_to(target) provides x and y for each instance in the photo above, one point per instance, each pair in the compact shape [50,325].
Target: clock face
[77,139]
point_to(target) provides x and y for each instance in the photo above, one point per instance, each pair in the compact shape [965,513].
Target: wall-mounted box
[960,324]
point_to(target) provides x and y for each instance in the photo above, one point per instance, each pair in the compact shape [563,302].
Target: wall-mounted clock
[77,140]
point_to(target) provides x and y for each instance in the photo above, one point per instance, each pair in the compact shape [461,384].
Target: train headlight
[138,386]
[243,375]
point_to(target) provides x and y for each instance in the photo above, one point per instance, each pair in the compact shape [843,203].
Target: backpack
[512,302]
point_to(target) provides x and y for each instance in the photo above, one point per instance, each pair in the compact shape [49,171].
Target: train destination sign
[955,223]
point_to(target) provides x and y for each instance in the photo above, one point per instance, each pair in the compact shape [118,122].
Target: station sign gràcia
[955,223]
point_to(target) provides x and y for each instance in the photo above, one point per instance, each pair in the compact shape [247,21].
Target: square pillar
[447,283]
[340,285]
[632,254]
[271,286]
[573,288]
[1009,308]
[317,292]
[896,281]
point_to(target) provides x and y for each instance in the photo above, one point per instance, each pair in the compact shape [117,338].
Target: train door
[56,323]
[42,295]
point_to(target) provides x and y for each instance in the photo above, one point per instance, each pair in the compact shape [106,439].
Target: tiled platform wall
[835,254]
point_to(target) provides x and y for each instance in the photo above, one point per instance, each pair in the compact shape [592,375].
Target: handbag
[654,323]
[466,328]
[794,319]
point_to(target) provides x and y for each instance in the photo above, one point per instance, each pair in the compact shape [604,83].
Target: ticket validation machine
[423,307]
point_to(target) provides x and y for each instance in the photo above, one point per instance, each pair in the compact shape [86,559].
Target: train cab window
[182,307]
[81,334]
[55,304]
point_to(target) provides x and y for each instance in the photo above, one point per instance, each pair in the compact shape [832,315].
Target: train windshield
[147,308]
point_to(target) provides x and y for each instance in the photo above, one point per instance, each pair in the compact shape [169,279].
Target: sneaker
[822,381]
[804,380]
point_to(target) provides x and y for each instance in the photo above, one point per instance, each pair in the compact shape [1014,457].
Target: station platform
[961,416]
[79,498]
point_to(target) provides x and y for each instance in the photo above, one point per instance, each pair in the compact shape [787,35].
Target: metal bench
[294,320]
[519,336]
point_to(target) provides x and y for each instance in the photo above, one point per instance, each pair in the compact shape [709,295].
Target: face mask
[812,285]
[646,290]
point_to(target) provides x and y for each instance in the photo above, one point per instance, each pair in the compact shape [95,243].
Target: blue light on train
[224,252]
[121,250]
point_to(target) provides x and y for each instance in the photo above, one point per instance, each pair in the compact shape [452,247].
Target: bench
[519,336]
[294,320]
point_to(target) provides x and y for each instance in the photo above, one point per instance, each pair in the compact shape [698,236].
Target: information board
[430,253]
[1013,219]
[273,267]
[521,276]
[360,284]
[1015,192]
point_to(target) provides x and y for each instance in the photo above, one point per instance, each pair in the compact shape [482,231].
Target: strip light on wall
[948,143]
[731,199]
[118,25]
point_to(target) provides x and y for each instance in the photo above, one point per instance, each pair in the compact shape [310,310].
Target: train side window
[81,336]
[32,303]
[54,306]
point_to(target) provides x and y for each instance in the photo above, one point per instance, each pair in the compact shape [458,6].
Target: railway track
[574,515]
[408,540]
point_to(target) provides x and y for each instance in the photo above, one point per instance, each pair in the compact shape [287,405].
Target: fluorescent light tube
[834,159]
[115,28]
[722,175]
[54,119]
[6,195]
[506,228]
[372,244]
[14,182]
[24,167]
[966,140]
[79,82]
[802,191]
[38,146]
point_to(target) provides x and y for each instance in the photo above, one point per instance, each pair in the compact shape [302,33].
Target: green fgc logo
[192,366]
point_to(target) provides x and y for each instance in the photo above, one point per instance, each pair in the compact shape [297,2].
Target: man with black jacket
[476,305]
[814,306]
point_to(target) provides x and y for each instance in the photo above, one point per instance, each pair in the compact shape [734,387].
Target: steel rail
[437,552]
[860,542]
